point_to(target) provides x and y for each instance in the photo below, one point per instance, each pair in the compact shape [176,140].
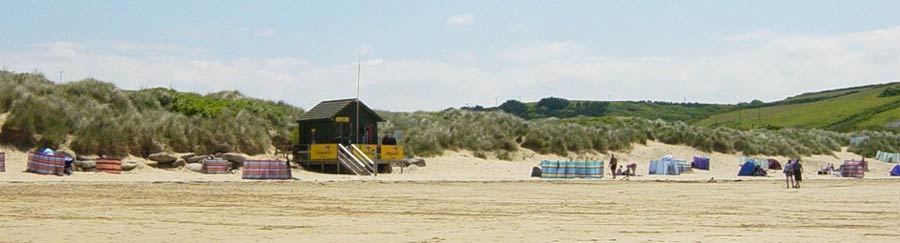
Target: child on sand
[619,171]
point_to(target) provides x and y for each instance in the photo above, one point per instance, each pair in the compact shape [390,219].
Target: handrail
[369,163]
[350,165]
[353,158]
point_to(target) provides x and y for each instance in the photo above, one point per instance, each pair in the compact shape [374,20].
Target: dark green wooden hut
[335,121]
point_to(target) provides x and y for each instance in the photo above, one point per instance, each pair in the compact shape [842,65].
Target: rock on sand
[195,159]
[128,165]
[85,165]
[163,157]
[236,159]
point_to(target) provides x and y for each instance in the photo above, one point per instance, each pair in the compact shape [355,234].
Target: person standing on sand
[789,174]
[798,173]
[612,165]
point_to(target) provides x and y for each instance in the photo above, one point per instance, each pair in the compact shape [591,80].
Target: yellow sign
[368,149]
[391,152]
[341,119]
[323,152]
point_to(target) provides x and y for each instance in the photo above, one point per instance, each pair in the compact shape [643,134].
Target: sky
[431,55]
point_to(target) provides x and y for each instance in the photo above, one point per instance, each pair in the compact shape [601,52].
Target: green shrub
[892,91]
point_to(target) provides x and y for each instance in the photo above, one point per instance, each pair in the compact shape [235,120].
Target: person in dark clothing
[67,169]
[388,140]
[613,162]
[798,173]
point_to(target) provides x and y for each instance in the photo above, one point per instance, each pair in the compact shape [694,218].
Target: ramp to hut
[352,158]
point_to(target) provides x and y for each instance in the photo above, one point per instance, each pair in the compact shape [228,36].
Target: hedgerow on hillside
[563,108]
[95,117]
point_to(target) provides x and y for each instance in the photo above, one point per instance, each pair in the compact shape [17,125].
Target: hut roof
[330,108]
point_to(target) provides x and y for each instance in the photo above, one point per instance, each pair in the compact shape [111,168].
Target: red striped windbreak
[112,166]
[852,168]
[266,170]
[46,164]
[215,166]
[2,162]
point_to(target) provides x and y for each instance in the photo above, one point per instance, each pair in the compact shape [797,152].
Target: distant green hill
[562,108]
[870,107]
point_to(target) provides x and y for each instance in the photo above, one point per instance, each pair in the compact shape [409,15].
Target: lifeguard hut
[342,136]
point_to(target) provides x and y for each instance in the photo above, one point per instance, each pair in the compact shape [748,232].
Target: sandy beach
[442,211]
[455,198]
[462,165]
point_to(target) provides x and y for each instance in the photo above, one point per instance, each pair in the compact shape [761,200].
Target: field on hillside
[840,110]
[535,211]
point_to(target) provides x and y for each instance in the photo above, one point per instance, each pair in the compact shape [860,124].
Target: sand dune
[455,198]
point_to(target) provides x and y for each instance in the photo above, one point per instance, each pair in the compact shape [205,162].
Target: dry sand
[456,197]
[462,165]
[436,211]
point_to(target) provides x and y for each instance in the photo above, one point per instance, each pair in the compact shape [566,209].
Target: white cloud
[460,19]
[768,68]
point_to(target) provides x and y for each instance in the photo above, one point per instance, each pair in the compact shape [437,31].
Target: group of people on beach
[623,170]
[793,173]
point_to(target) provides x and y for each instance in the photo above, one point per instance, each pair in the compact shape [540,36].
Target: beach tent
[895,171]
[215,166]
[44,164]
[2,162]
[852,168]
[774,164]
[112,166]
[536,171]
[266,170]
[47,151]
[571,169]
[753,167]
[888,157]
[700,163]
[666,165]
[747,169]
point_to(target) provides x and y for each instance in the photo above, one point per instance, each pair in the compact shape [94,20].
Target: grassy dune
[430,133]
[94,117]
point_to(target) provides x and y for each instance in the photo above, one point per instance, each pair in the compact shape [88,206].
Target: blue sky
[429,55]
